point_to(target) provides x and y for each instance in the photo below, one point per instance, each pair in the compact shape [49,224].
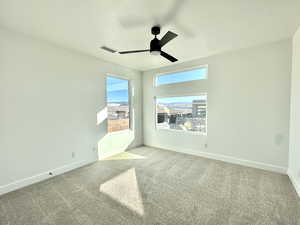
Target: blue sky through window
[182,99]
[189,75]
[116,89]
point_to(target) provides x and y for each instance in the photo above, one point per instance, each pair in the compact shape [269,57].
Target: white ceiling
[204,27]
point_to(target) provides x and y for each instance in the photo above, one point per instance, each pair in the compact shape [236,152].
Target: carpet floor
[157,187]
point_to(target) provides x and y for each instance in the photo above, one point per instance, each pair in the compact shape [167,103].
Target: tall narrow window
[117,92]
[185,113]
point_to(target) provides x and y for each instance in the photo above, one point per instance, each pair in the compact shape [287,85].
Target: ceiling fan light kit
[155,52]
[155,45]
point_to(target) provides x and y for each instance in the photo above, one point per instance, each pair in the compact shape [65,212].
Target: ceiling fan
[155,45]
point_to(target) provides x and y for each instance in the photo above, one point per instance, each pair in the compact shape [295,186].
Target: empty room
[149,112]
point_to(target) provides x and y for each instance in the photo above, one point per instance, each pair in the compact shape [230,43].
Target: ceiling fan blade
[108,49]
[168,37]
[134,51]
[168,57]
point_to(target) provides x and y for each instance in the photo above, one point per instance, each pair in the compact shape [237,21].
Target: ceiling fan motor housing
[155,45]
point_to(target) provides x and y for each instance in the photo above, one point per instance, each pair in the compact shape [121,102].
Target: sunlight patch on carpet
[124,189]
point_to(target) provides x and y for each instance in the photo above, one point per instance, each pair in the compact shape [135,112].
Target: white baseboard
[295,182]
[40,177]
[229,159]
[45,175]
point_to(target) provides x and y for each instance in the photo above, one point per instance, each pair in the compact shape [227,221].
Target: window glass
[188,75]
[185,113]
[117,92]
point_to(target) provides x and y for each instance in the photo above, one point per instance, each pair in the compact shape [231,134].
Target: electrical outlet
[73,154]
[205,145]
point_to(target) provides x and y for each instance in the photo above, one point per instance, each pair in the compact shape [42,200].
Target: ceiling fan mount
[155,45]
[155,30]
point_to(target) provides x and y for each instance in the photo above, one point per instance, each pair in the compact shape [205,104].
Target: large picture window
[184,113]
[183,76]
[118,109]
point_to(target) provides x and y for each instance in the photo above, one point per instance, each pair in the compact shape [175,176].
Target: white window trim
[181,131]
[179,71]
[130,100]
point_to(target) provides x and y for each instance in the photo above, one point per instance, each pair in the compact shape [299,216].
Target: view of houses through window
[186,113]
[117,92]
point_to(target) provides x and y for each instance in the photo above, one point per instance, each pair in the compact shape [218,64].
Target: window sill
[182,132]
[120,132]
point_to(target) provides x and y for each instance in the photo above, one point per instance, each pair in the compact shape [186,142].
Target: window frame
[130,100]
[155,84]
[181,131]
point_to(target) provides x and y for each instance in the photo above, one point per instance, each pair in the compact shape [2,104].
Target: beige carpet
[152,186]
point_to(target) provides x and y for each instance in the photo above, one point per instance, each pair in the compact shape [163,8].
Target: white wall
[294,157]
[248,107]
[49,98]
